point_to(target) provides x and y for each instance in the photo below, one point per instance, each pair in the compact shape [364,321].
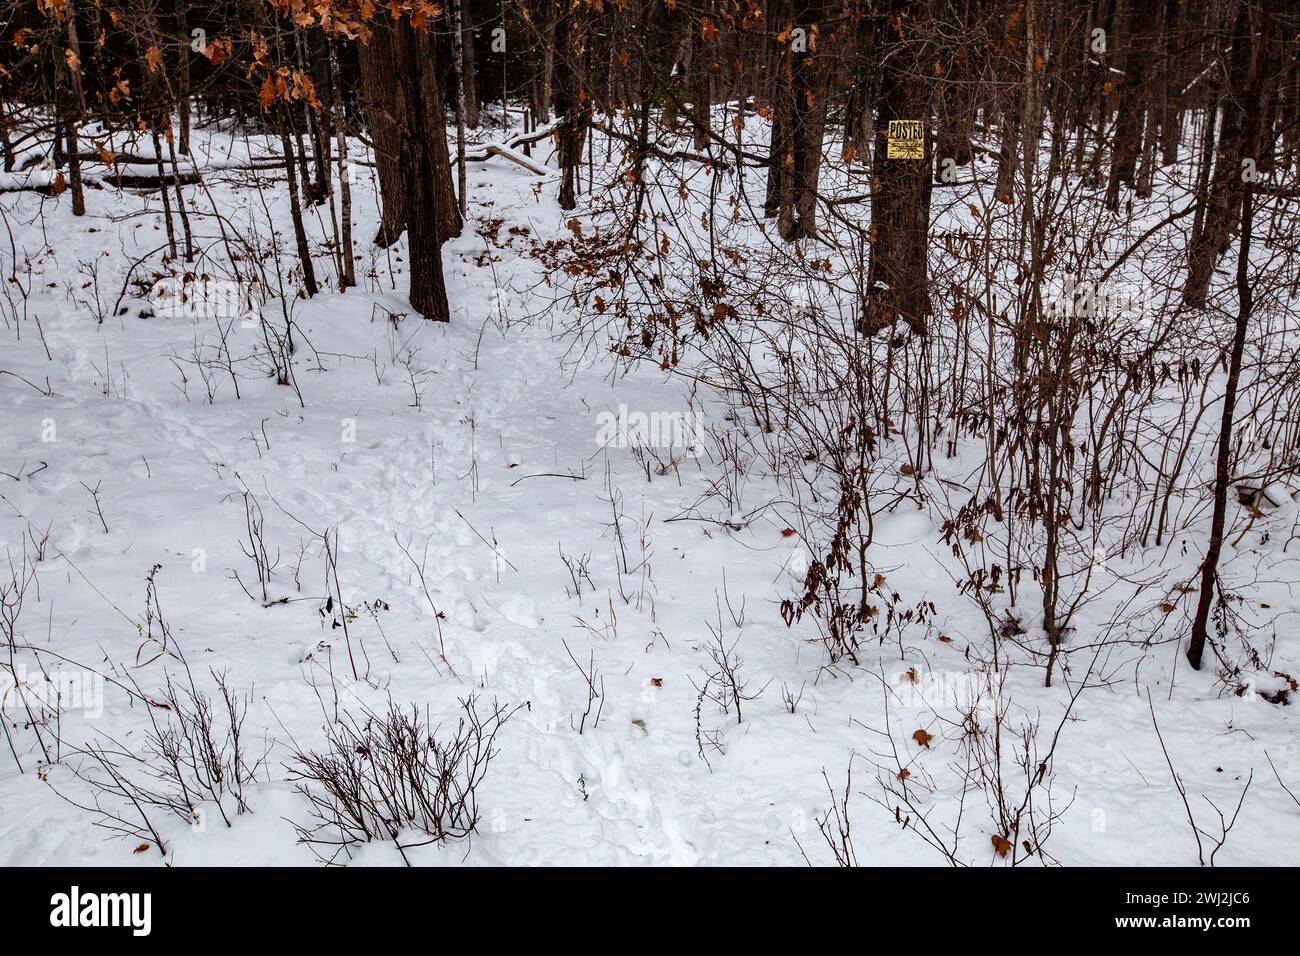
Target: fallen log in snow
[128,172]
[506,153]
[509,151]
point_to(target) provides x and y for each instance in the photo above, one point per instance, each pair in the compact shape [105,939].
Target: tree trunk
[295,204]
[779,147]
[426,171]
[898,275]
[1253,109]
[1128,140]
[183,75]
[307,47]
[701,77]
[1171,120]
[348,275]
[435,132]
[75,107]
[956,108]
[1222,472]
[468,71]
[458,49]
[571,103]
[387,117]
[1224,195]
[806,119]
[1009,152]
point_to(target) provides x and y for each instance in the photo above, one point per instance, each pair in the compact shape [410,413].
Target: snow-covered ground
[482,451]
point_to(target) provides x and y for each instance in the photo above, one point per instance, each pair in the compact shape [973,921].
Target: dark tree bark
[1253,109]
[1205,161]
[387,117]
[431,211]
[435,133]
[1127,146]
[309,49]
[74,105]
[1224,195]
[702,66]
[347,270]
[779,149]
[458,62]
[469,72]
[954,135]
[806,125]
[798,100]
[571,102]
[403,100]
[1222,472]
[6,145]
[181,11]
[1171,120]
[956,108]
[543,89]
[295,203]
[898,276]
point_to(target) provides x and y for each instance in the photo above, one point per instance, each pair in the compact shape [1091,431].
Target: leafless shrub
[834,825]
[645,588]
[213,363]
[592,679]
[417,375]
[93,299]
[438,616]
[195,760]
[1012,767]
[256,550]
[1214,841]
[155,632]
[1287,790]
[723,687]
[1008,763]
[334,612]
[14,586]
[99,506]
[722,683]
[577,566]
[706,740]
[381,776]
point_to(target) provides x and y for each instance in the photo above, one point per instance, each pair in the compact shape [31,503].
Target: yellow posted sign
[906,140]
